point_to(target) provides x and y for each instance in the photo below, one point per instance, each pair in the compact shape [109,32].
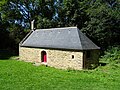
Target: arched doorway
[43,56]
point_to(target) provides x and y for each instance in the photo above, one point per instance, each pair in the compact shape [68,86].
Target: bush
[111,55]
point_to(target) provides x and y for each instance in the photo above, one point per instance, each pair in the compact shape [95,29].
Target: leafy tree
[71,13]
[104,24]
[17,15]
[4,39]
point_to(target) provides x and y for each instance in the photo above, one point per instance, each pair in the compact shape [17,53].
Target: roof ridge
[88,40]
[79,37]
[62,28]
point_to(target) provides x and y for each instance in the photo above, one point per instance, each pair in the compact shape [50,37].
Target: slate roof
[59,38]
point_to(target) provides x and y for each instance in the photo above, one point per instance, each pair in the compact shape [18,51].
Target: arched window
[43,56]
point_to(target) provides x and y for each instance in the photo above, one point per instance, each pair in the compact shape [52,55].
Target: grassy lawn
[19,75]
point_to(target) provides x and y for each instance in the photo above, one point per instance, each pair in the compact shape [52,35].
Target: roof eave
[22,41]
[75,49]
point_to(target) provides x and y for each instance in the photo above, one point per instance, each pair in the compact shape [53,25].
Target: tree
[104,24]
[17,15]
[4,34]
[71,13]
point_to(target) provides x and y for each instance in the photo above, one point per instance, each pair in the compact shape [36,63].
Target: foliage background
[98,19]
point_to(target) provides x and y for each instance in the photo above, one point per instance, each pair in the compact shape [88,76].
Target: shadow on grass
[6,54]
[102,64]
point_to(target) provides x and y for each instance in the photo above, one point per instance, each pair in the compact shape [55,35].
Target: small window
[72,56]
[88,54]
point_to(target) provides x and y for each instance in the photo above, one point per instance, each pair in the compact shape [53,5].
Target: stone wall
[62,59]
[29,54]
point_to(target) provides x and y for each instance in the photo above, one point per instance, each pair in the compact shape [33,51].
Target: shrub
[111,55]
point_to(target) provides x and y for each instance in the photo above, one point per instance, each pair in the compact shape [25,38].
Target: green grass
[19,75]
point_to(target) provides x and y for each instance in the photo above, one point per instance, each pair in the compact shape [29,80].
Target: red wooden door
[45,57]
